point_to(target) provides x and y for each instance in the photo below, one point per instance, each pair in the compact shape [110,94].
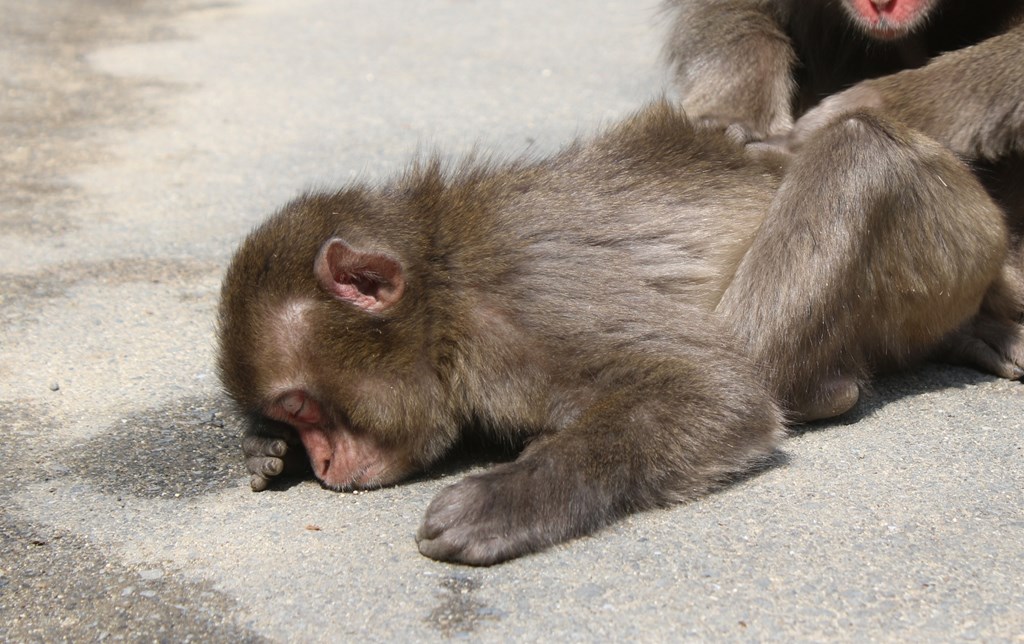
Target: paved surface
[139,141]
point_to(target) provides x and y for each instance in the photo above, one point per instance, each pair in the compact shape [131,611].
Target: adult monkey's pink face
[889,19]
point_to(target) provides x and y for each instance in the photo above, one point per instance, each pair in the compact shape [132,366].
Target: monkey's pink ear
[372,281]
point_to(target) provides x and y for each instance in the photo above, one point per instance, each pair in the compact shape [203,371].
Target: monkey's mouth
[885,30]
[363,480]
[889,20]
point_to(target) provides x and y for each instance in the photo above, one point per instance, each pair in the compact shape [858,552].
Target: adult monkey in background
[633,309]
[953,69]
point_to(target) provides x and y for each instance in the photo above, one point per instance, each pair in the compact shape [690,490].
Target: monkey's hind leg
[878,244]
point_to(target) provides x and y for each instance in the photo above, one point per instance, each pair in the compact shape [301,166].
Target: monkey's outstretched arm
[669,434]
[971,99]
[733,65]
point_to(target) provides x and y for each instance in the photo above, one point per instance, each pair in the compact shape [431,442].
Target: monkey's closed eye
[298,407]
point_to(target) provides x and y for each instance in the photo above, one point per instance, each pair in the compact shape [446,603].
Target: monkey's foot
[834,398]
[987,343]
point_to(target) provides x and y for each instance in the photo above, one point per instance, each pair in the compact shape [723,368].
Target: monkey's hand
[760,118]
[969,99]
[508,511]
[733,68]
[859,98]
[270,450]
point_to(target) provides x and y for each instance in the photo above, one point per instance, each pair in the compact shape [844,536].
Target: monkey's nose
[321,466]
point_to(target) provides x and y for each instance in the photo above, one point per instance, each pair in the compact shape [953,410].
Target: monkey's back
[653,210]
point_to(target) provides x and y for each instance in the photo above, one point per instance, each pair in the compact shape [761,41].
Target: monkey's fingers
[258,483]
[773,150]
[253,445]
[264,458]
[856,99]
[737,131]
[266,466]
[263,469]
[473,522]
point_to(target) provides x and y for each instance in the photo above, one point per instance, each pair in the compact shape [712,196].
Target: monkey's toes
[989,343]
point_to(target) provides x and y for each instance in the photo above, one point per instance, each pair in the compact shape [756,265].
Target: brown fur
[953,69]
[636,308]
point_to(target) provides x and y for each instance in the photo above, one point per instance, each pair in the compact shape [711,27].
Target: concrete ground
[139,141]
